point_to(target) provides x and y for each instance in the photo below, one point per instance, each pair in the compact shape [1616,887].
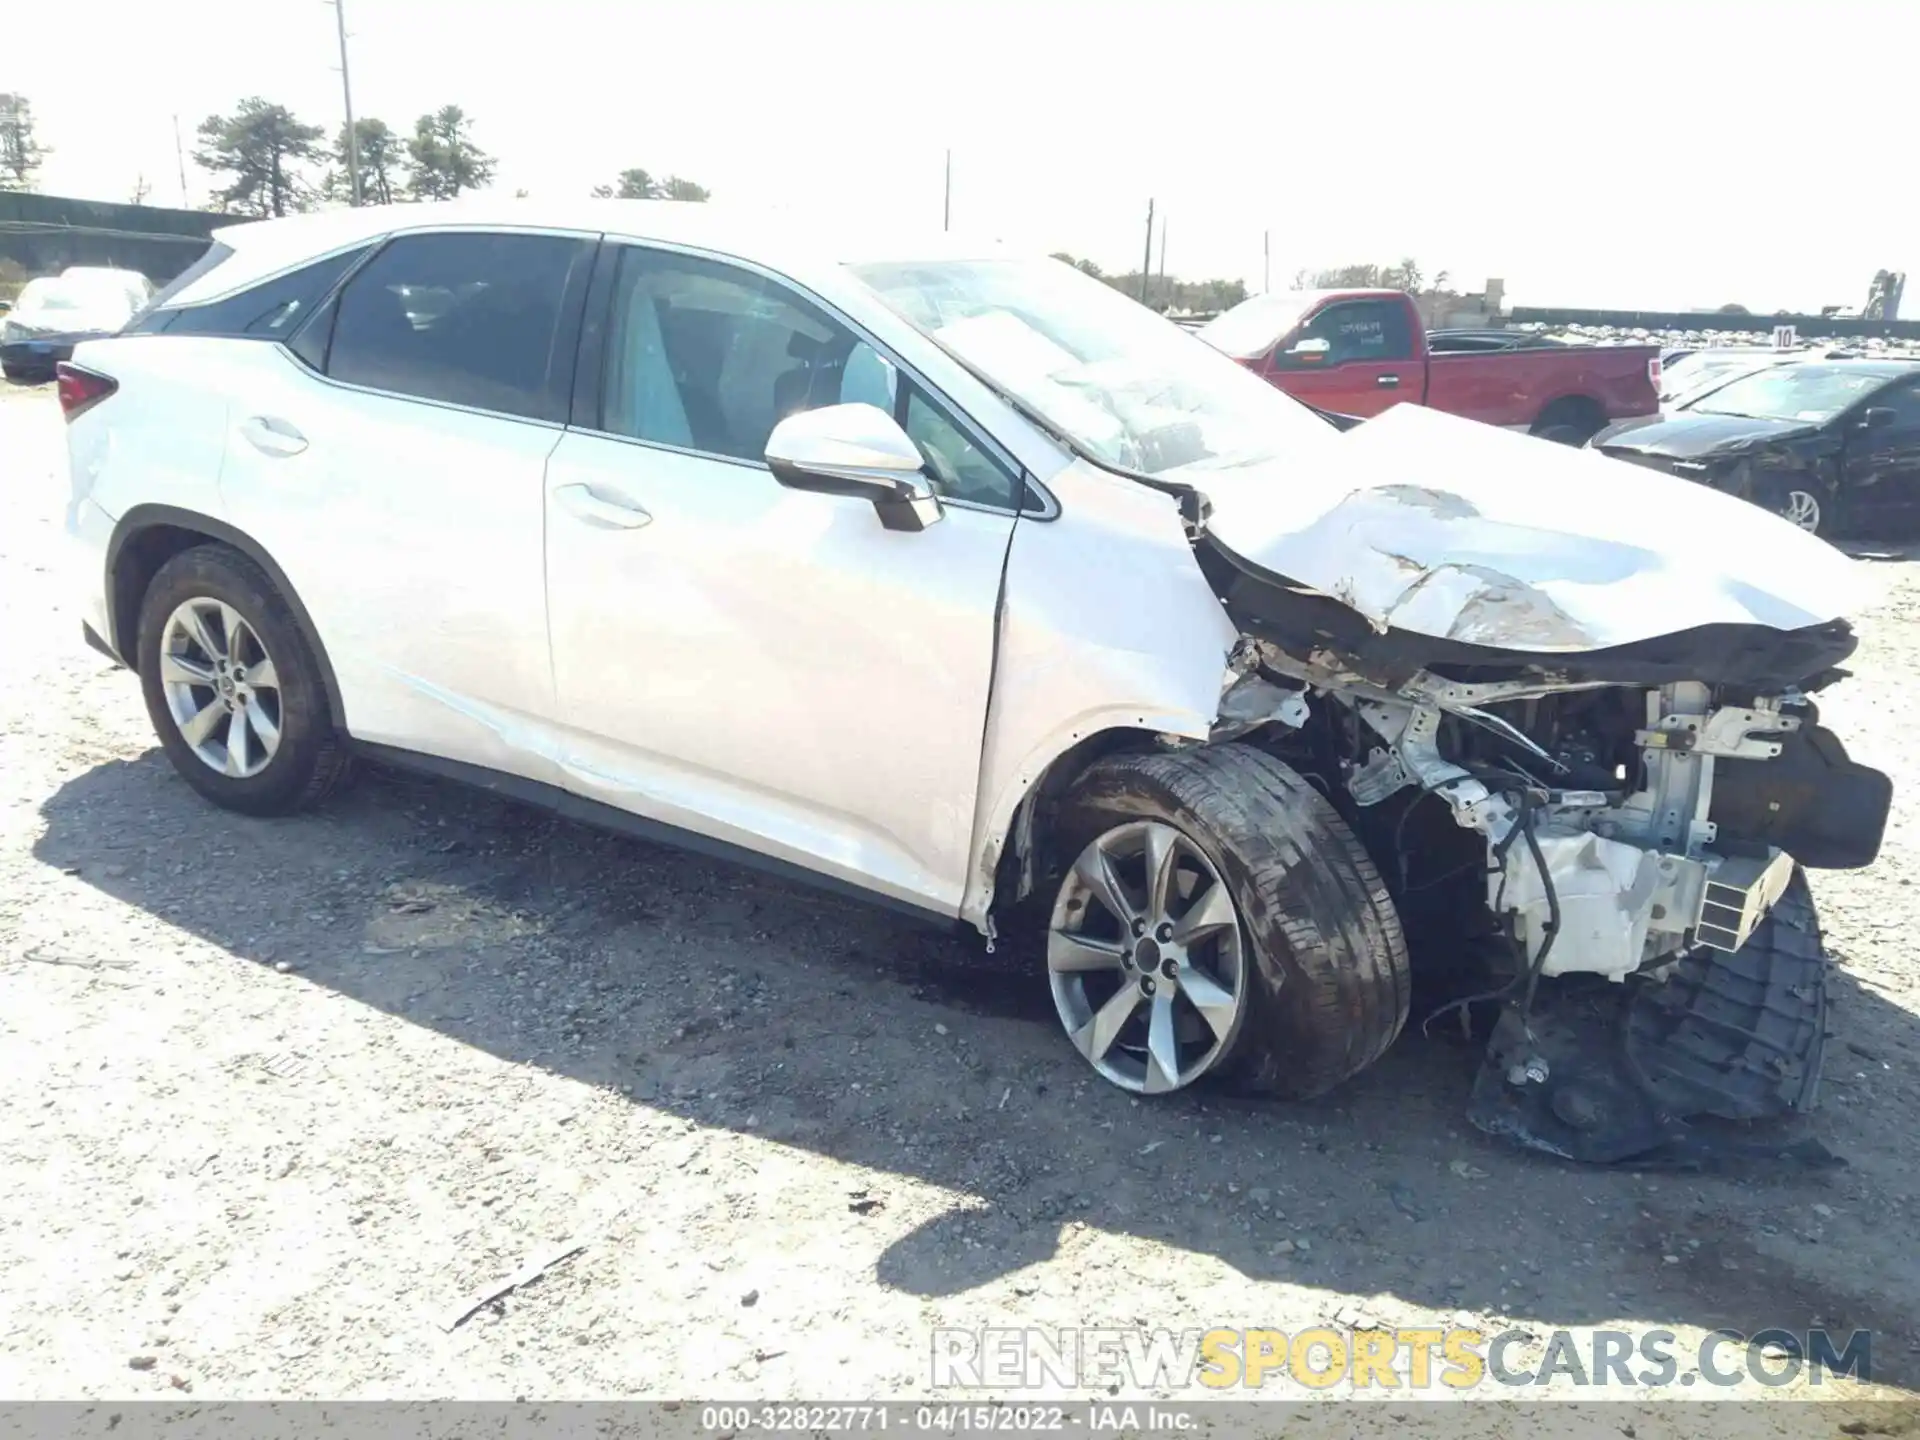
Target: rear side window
[271,310]
[215,256]
[483,320]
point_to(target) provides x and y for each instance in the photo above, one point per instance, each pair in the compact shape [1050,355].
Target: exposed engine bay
[1629,822]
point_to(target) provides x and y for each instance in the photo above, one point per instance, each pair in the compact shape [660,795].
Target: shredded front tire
[1326,978]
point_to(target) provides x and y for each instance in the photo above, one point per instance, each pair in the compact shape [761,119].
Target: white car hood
[1445,527]
[68,322]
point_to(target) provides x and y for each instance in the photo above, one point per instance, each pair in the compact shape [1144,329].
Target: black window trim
[587,411]
[573,301]
[323,307]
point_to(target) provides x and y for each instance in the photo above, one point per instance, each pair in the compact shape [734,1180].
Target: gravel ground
[279,1099]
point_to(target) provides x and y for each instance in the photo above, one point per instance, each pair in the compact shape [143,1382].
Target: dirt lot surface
[280,1099]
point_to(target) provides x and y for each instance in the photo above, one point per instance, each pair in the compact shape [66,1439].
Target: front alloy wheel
[222,689]
[1802,508]
[1145,958]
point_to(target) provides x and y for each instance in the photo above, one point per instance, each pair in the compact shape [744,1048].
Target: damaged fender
[1106,624]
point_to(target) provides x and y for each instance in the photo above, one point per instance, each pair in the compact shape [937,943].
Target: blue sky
[1668,155]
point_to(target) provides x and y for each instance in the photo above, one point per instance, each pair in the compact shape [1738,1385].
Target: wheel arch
[1576,408]
[148,536]
[1020,847]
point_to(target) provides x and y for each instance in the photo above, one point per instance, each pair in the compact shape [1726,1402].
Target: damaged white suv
[958,579]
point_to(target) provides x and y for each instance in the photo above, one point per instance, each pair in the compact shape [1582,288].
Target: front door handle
[584,504]
[272,436]
[1388,382]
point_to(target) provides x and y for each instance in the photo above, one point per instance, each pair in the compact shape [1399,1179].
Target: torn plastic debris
[1253,701]
[1614,1074]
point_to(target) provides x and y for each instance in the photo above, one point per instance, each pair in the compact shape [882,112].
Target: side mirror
[855,450]
[1311,351]
[1877,417]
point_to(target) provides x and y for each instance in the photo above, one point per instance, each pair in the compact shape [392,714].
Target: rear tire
[268,747]
[1570,422]
[1325,976]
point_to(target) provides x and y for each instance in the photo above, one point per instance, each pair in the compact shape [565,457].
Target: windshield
[1811,393]
[1126,387]
[46,294]
[72,293]
[1251,327]
[1697,369]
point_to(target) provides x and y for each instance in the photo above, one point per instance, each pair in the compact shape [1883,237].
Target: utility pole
[1266,261]
[346,94]
[1146,264]
[180,156]
[946,214]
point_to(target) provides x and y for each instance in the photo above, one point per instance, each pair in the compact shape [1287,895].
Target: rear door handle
[272,436]
[583,503]
[1388,382]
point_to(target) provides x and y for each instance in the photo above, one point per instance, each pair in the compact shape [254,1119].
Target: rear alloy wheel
[222,688]
[1145,958]
[232,686]
[1217,918]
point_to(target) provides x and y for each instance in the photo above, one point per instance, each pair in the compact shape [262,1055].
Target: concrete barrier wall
[43,234]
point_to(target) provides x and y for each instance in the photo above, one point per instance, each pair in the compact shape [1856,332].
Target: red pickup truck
[1355,352]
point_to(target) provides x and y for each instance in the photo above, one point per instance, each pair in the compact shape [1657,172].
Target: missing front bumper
[1612,1074]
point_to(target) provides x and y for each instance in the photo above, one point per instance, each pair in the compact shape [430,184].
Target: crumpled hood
[1445,527]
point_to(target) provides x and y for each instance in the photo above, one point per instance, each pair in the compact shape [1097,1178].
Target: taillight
[81,390]
[1655,371]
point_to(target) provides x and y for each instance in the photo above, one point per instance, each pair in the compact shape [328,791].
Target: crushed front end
[1608,843]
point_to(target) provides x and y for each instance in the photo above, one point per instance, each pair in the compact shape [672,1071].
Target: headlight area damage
[1604,843]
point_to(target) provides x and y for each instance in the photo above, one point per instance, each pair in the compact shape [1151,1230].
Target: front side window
[467,318]
[960,469]
[705,356]
[1355,330]
[1118,382]
[1904,402]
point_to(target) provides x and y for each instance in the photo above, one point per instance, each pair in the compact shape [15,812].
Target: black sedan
[1832,445]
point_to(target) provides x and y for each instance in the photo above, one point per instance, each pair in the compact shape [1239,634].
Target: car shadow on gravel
[735,1001]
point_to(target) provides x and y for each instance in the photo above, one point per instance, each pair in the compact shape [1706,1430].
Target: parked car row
[56,312]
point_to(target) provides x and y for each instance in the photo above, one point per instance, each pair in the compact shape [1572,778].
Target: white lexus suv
[955,578]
